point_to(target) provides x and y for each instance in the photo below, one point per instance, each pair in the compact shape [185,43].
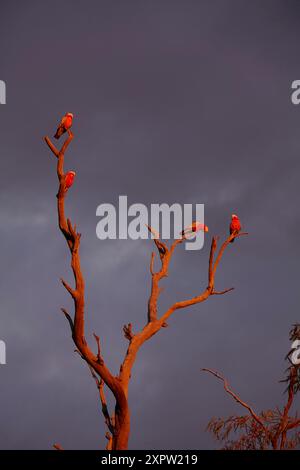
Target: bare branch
[284,425]
[105,412]
[175,244]
[109,438]
[214,292]
[99,357]
[237,398]
[152,263]
[67,142]
[223,248]
[71,291]
[51,146]
[154,323]
[120,424]
[127,329]
[95,362]
[69,318]
[267,430]
[64,146]
[213,248]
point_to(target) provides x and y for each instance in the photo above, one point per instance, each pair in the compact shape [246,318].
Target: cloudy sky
[174,101]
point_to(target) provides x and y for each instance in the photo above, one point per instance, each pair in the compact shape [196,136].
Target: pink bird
[193,228]
[69,180]
[235,225]
[65,124]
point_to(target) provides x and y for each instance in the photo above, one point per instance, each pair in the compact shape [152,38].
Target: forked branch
[95,362]
[119,424]
[263,431]
[254,415]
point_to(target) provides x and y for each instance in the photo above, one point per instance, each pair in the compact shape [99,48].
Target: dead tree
[118,424]
[268,430]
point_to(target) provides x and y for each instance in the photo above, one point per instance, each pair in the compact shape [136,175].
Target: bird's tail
[59,133]
[234,232]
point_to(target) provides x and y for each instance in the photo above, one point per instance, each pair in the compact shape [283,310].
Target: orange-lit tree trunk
[118,423]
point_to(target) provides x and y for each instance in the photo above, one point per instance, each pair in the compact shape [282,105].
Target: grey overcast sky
[174,101]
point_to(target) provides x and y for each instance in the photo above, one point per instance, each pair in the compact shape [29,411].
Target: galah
[69,180]
[235,225]
[193,228]
[65,124]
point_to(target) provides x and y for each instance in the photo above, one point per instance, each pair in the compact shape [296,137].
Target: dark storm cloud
[174,102]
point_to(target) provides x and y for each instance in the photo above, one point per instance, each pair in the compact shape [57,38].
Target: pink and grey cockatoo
[65,125]
[193,228]
[69,180]
[235,225]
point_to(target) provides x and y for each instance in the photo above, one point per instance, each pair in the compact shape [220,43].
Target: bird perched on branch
[69,180]
[193,228]
[65,124]
[235,225]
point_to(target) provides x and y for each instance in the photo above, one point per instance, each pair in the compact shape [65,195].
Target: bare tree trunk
[119,424]
[122,429]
